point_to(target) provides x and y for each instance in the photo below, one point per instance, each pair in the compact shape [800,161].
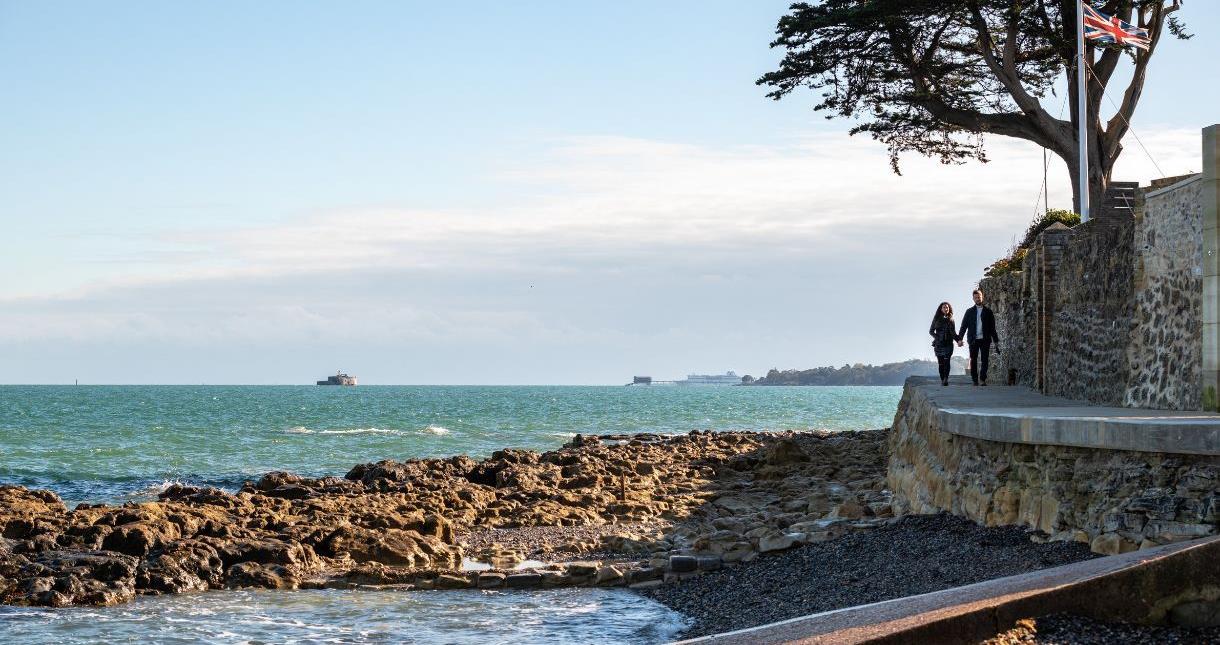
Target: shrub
[1052,216]
[1008,264]
[1014,259]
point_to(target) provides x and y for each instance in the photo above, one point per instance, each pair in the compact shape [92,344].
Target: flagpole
[1082,102]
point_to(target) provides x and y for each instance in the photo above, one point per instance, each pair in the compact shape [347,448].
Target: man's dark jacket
[967,328]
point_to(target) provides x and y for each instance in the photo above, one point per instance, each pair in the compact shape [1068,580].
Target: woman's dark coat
[943,334]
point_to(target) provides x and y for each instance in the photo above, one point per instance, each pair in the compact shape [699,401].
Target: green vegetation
[1015,258]
[858,374]
[1052,216]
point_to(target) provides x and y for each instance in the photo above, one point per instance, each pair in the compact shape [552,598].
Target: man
[978,327]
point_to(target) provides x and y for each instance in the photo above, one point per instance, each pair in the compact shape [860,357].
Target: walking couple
[978,328]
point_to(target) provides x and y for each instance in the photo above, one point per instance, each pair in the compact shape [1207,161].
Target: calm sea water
[123,443]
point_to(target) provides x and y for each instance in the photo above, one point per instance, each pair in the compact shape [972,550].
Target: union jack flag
[1100,28]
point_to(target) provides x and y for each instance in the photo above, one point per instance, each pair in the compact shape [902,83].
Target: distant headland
[858,374]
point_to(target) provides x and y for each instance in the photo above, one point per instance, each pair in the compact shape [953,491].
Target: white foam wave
[153,489]
[304,430]
[564,435]
[432,428]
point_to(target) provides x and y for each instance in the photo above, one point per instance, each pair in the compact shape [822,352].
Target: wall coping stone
[1173,187]
[1014,414]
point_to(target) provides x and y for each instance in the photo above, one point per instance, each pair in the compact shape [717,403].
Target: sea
[124,443]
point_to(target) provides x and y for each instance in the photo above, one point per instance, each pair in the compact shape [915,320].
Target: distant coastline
[858,374]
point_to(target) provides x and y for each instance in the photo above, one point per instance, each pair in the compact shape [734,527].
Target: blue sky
[546,192]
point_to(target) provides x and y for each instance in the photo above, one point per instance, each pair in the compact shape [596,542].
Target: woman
[943,334]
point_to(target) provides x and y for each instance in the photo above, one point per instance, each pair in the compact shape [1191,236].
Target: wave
[432,428]
[304,430]
[152,489]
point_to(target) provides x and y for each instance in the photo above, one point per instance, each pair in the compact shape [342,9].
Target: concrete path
[1021,415]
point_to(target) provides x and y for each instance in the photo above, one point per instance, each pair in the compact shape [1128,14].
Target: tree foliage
[935,76]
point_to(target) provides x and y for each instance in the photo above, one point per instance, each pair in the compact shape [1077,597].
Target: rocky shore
[634,510]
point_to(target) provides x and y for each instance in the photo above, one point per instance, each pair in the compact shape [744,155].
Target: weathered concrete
[1022,415]
[1210,213]
[1139,587]
[1119,479]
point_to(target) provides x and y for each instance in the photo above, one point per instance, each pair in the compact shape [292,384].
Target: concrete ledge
[1021,415]
[1140,587]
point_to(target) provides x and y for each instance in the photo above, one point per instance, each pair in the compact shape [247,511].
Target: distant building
[339,379]
[728,378]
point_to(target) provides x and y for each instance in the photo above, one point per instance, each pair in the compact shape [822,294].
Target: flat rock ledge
[612,510]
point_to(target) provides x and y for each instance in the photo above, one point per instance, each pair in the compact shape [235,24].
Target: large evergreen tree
[934,76]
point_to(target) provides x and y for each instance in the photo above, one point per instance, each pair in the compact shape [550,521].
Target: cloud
[607,245]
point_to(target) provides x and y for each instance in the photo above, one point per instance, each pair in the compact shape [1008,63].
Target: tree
[935,76]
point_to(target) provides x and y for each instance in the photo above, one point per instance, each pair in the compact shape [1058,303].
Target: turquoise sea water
[123,443]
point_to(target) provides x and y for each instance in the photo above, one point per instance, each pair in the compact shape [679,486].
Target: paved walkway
[1021,415]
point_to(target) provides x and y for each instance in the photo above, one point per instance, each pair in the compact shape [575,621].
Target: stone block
[491,580]
[779,542]
[1112,544]
[1166,531]
[524,580]
[683,563]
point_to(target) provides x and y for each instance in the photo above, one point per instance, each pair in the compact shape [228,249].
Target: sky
[479,193]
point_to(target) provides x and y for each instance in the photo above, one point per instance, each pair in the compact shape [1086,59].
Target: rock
[396,524]
[491,580]
[390,546]
[524,580]
[683,563]
[849,510]
[778,542]
[452,581]
[741,552]
[736,505]
[609,576]
[1111,544]
[786,452]
[582,568]
[253,574]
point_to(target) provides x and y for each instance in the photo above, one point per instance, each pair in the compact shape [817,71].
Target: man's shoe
[984,383]
[976,383]
[944,381]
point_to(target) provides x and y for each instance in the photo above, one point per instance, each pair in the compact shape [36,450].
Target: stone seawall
[1110,311]
[1115,500]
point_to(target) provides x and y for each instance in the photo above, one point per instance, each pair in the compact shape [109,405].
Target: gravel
[917,554]
[1068,629]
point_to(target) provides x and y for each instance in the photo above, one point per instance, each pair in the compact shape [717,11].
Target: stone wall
[1110,311]
[1164,355]
[1116,500]
[1091,327]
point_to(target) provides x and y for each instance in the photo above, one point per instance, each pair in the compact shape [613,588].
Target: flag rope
[1044,190]
[1129,126]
